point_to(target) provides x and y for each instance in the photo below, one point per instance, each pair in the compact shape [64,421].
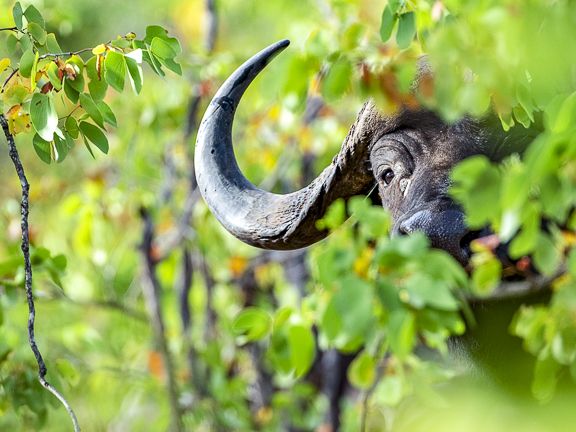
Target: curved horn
[261,218]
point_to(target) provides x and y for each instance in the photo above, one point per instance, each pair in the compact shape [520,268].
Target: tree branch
[14,72]
[151,290]
[212,26]
[25,246]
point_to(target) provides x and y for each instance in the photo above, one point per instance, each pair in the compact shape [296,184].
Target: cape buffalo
[408,155]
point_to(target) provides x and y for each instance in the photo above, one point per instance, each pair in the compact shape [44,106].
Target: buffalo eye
[387,176]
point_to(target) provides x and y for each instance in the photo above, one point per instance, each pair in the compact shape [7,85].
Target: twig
[151,291]
[25,246]
[212,30]
[8,28]
[64,54]
[14,72]
[364,415]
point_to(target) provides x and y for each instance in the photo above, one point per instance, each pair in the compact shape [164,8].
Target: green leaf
[17,14]
[389,19]
[115,70]
[406,29]
[34,71]
[91,109]
[26,62]
[135,74]
[161,33]
[424,291]
[486,276]
[97,85]
[302,348]
[52,44]
[43,116]
[362,372]
[78,82]
[334,216]
[546,255]
[253,323]
[107,113]
[163,51]
[37,32]
[545,377]
[338,79]
[53,75]
[390,390]
[402,333]
[33,15]
[11,44]
[42,149]
[62,146]
[95,136]
[395,5]
[70,91]
[72,127]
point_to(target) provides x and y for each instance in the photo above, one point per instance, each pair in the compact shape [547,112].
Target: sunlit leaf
[165,53]
[115,70]
[362,372]
[135,73]
[43,116]
[253,323]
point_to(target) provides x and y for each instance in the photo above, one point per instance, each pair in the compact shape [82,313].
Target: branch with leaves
[59,97]
[44,71]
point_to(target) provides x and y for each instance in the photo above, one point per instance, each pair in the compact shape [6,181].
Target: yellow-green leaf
[362,372]
[4,63]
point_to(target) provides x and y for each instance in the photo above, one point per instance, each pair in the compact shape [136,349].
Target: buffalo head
[409,155]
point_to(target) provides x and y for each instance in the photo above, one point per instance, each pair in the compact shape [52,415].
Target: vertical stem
[25,246]
[151,290]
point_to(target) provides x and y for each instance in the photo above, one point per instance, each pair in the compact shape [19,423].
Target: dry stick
[151,290]
[25,246]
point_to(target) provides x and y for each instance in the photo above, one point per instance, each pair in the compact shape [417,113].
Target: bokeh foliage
[385,299]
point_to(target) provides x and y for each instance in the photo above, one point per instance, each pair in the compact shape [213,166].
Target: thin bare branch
[212,26]
[14,72]
[152,291]
[25,246]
